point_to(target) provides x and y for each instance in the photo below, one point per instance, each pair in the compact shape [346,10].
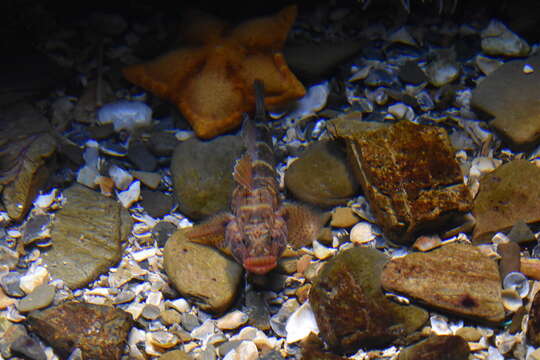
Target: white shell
[121,177]
[301,323]
[33,278]
[439,325]
[247,350]
[232,320]
[125,115]
[313,101]
[362,233]
[205,331]
[43,201]
[322,252]
[518,281]
[131,195]
[511,299]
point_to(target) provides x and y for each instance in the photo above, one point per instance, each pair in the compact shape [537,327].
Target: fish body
[258,228]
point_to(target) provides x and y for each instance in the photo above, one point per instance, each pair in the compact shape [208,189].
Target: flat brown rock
[511,96]
[456,278]
[507,195]
[409,175]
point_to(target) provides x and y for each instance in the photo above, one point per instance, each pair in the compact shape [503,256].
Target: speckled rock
[533,325]
[409,175]
[86,235]
[201,273]
[507,195]
[321,175]
[99,331]
[455,278]
[202,174]
[351,309]
[511,96]
[447,347]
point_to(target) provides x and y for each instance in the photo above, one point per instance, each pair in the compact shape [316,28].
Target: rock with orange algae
[210,79]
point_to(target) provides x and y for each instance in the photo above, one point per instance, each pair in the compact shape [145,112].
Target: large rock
[321,176]
[409,175]
[202,174]
[448,347]
[86,236]
[99,331]
[456,278]
[511,96]
[507,195]
[201,273]
[351,309]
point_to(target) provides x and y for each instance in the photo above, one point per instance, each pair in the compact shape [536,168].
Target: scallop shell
[517,281]
[511,299]
[301,323]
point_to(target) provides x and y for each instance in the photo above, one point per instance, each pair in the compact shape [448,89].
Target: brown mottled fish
[258,228]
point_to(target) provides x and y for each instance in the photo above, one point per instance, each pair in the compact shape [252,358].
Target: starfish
[211,76]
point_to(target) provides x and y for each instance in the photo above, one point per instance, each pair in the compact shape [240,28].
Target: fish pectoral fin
[303,223]
[243,171]
[210,232]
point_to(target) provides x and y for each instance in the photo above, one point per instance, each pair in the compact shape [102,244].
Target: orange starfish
[210,79]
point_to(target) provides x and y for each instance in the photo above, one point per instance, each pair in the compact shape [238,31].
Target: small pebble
[510,258]
[343,217]
[469,333]
[41,297]
[33,278]
[10,283]
[362,233]
[169,317]
[150,312]
[232,320]
[162,339]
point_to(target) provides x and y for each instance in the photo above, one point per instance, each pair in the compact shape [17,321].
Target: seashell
[424,100]
[33,278]
[401,111]
[517,281]
[162,339]
[279,320]
[87,176]
[142,255]
[486,64]
[497,40]
[204,331]
[505,342]
[121,177]
[131,195]
[322,252]
[180,305]
[313,101]
[511,299]
[301,323]
[439,325]
[232,320]
[125,115]
[247,350]
[483,165]
[155,298]
[135,309]
[527,69]
[402,36]
[44,201]
[426,243]
[363,232]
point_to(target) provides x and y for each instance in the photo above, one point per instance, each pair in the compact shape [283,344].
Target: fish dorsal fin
[243,171]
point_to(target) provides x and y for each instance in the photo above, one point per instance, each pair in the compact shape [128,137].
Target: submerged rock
[447,347]
[507,195]
[86,236]
[533,325]
[321,176]
[201,273]
[99,331]
[409,175]
[351,309]
[456,278]
[202,174]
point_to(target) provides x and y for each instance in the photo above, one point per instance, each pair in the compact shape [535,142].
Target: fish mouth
[260,265]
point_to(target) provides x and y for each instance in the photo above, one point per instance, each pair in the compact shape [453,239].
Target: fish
[259,226]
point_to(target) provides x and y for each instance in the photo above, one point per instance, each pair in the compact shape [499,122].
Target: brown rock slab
[351,309]
[447,347]
[455,278]
[533,325]
[320,176]
[202,174]
[99,331]
[86,236]
[409,175]
[511,96]
[507,195]
[201,273]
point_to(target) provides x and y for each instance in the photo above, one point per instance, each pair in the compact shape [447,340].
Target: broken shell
[518,281]
[247,350]
[426,243]
[301,323]
[125,115]
[162,339]
[322,252]
[121,177]
[439,325]
[401,111]
[511,299]
[131,195]
[232,320]
[313,101]
[44,201]
[362,233]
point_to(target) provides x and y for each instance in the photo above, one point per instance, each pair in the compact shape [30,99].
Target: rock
[150,179]
[36,228]
[313,349]
[444,69]
[40,298]
[506,195]
[29,348]
[202,174]
[257,310]
[171,316]
[9,333]
[86,234]
[409,175]
[498,40]
[455,278]
[162,231]
[8,257]
[343,217]
[175,355]
[139,155]
[510,95]
[521,233]
[163,143]
[11,284]
[510,258]
[533,325]
[321,176]
[469,333]
[201,273]
[99,331]
[351,309]
[156,203]
[448,347]
[411,73]
[85,109]
[27,157]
